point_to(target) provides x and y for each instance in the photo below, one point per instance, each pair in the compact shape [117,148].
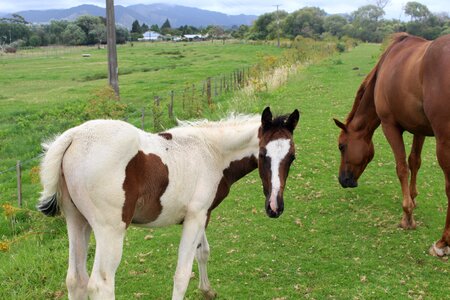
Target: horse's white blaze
[276,150]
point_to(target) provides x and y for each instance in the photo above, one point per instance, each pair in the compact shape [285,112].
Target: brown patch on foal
[166,135]
[146,179]
[235,171]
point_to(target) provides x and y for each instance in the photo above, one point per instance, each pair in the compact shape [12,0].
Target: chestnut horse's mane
[369,82]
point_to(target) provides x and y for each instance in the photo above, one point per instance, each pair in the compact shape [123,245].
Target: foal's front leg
[193,231]
[394,136]
[202,256]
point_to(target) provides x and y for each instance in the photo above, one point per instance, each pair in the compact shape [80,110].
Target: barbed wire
[22,163]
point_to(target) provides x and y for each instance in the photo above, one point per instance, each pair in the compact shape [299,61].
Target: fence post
[171,105]
[19,183]
[208,90]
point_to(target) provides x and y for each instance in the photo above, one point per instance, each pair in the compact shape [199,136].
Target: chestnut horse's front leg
[394,136]
[442,247]
[414,162]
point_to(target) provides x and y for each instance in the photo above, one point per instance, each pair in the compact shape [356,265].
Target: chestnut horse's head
[276,154]
[356,152]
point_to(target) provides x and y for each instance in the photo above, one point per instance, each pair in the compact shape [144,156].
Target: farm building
[151,36]
[194,37]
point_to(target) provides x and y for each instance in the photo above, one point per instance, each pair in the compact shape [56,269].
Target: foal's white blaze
[276,150]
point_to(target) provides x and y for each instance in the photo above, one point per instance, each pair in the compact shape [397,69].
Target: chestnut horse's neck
[363,118]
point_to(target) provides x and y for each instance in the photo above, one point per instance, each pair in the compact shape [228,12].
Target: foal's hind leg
[394,136]
[108,252]
[79,232]
[414,162]
[202,256]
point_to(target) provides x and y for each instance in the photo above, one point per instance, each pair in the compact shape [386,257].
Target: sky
[394,10]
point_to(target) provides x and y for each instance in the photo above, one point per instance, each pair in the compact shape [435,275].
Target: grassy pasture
[330,243]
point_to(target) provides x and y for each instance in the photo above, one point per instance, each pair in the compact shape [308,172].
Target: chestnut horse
[106,175]
[407,90]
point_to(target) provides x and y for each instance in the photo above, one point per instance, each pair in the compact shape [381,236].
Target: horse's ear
[340,125]
[266,118]
[292,121]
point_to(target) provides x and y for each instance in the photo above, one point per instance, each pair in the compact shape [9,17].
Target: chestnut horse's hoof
[407,223]
[439,252]
[209,295]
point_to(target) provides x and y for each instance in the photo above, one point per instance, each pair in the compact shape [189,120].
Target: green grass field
[330,243]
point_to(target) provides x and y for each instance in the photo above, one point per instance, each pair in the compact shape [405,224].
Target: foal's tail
[51,172]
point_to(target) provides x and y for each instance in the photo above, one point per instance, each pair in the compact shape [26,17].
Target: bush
[340,47]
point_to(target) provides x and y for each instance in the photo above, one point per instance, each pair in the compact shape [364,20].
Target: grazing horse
[106,175]
[407,90]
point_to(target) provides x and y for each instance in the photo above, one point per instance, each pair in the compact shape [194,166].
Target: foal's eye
[341,147]
[292,158]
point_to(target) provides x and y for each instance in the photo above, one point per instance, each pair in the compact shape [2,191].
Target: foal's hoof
[439,252]
[209,295]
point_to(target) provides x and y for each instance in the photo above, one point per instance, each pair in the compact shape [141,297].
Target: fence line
[192,100]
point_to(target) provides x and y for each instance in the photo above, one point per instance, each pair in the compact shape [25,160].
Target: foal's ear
[266,118]
[340,125]
[292,121]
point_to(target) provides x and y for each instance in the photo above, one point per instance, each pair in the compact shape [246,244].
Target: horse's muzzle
[347,180]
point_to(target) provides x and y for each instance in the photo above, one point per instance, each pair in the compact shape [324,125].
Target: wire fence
[190,101]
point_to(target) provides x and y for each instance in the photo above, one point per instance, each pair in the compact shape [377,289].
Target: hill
[149,14]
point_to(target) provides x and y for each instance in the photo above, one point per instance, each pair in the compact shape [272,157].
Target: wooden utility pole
[113,70]
[278,28]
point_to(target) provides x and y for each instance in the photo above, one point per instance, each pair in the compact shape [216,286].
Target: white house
[150,36]
[194,37]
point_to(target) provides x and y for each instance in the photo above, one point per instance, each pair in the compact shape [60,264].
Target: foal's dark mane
[369,82]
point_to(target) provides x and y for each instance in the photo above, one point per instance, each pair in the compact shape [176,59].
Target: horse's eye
[292,158]
[341,147]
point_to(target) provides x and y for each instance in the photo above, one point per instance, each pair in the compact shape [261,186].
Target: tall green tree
[260,28]
[417,11]
[165,27]
[136,27]
[335,24]
[365,23]
[74,35]
[306,22]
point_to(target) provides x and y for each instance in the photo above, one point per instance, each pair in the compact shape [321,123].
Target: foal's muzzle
[279,211]
[347,180]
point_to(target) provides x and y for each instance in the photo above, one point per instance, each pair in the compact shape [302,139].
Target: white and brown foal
[106,175]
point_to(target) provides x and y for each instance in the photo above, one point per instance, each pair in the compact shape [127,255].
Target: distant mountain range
[145,13]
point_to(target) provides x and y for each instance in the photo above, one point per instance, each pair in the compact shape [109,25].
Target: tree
[89,24]
[55,30]
[136,27]
[259,30]
[240,32]
[307,22]
[12,29]
[335,24]
[382,3]
[366,22]
[73,35]
[122,35]
[144,28]
[155,28]
[165,27]
[417,11]
[98,33]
